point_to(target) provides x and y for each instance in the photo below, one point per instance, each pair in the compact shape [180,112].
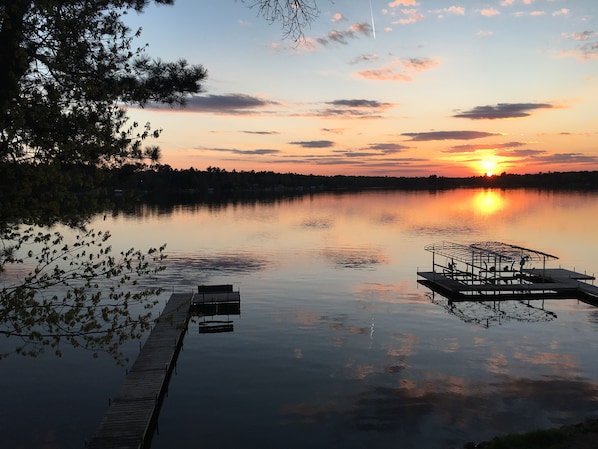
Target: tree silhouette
[78,292]
[293,15]
[67,69]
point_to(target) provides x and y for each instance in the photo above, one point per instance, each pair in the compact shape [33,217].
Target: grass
[536,439]
[578,436]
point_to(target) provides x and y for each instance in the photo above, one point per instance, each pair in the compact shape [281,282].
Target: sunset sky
[406,88]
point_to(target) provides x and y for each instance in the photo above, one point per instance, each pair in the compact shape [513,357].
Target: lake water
[337,345]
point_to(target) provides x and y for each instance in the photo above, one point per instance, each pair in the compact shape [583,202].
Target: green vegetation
[540,439]
[219,183]
[577,436]
[68,70]
[72,291]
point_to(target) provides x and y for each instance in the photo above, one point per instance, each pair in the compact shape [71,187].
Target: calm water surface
[336,344]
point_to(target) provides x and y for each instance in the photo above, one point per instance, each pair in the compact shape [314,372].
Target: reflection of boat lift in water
[495,271]
[488,313]
[215,300]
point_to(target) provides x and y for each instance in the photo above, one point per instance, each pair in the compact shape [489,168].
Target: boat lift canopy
[505,252]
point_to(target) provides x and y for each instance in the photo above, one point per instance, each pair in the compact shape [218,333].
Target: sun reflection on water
[488,202]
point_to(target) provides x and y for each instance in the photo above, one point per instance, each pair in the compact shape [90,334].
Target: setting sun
[488,166]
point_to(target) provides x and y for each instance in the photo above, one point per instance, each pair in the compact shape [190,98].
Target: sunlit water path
[336,344]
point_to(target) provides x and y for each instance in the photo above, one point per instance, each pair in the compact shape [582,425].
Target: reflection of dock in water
[495,271]
[215,300]
[131,418]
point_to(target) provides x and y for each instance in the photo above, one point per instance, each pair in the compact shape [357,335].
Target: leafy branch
[77,293]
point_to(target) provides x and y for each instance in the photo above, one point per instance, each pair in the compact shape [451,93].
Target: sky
[400,88]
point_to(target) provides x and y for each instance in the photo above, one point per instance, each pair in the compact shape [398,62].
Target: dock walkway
[129,421]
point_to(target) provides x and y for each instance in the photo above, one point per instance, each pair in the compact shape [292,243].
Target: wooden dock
[130,420]
[216,300]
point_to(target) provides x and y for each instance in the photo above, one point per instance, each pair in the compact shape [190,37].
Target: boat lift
[486,262]
[496,270]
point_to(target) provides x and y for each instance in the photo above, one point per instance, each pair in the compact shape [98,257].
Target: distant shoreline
[23,183]
[217,182]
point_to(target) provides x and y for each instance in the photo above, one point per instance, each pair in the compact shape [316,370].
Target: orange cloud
[399,70]
[338,17]
[413,15]
[397,3]
[384,74]
[489,12]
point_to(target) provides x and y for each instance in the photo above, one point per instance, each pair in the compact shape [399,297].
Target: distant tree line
[60,190]
[217,181]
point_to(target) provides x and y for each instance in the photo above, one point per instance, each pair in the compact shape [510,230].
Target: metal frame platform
[501,271]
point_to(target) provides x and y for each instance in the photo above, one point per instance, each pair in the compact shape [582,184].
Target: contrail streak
[372,15]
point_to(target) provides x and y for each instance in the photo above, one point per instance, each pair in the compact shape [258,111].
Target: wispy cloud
[582,36]
[404,12]
[451,10]
[520,153]
[338,17]
[365,58]
[336,36]
[388,148]
[502,111]
[588,48]
[570,158]
[233,104]
[532,156]
[410,16]
[535,157]
[489,12]
[314,143]
[397,3]
[333,130]
[261,133]
[360,103]
[542,12]
[343,36]
[354,108]
[449,135]
[399,69]
[471,148]
[561,12]
[254,152]
[351,153]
